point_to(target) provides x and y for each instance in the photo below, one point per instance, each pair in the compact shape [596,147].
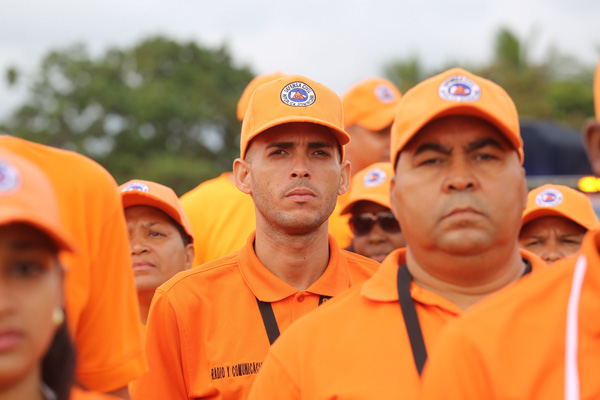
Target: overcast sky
[336,42]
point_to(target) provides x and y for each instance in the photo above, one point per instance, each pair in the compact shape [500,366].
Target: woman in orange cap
[555,221]
[376,230]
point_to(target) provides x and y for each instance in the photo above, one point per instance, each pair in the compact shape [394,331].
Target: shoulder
[356,261]
[207,188]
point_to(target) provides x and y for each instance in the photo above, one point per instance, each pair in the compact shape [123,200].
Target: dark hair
[187,239]
[58,365]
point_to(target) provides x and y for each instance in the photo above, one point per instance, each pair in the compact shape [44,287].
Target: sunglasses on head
[362,224]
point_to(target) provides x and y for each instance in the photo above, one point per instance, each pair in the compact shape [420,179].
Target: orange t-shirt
[79,394]
[338,224]
[221,217]
[512,346]
[357,347]
[205,337]
[100,296]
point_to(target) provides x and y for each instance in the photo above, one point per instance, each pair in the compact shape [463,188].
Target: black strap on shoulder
[411,320]
[527,267]
[268,317]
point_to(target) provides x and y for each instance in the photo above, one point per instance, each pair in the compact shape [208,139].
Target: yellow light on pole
[589,184]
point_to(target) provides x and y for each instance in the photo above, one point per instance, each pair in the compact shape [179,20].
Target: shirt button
[300,298]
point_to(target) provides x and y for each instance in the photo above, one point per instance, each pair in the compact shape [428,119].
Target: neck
[298,260]
[26,388]
[464,280]
[144,301]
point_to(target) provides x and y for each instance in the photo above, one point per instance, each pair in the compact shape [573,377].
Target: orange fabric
[454,92]
[221,217]
[254,83]
[370,184]
[138,192]
[27,196]
[371,103]
[512,346]
[101,301]
[560,201]
[357,347]
[338,223]
[205,338]
[79,394]
[597,91]
[293,98]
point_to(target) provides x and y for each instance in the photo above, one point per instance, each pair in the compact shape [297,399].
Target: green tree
[160,110]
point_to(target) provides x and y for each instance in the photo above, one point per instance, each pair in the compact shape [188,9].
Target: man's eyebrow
[279,145]
[483,142]
[320,145]
[431,146]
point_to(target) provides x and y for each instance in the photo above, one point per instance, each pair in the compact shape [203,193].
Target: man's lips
[143,265]
[462,212]
[10,338]
[301,194]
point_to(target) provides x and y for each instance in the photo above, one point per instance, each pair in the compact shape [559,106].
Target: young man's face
[552,238]
[294,175]
[367,147]
[459,187]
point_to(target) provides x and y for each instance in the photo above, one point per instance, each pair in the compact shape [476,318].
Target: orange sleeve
[455,370]
[273,382]
[166,378]
[108,334]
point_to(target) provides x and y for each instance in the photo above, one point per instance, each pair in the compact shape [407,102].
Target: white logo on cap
[9,177]
[549,198]
[136,186]
[459,88]
[384,94]
[298,94]
[375,177]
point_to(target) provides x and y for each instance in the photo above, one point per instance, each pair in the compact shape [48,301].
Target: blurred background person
[376,231]
[160,237]
[555,221]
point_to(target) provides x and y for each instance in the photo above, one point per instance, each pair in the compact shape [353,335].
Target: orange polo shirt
[512,346]
[221,217]
[100,296]
[357,347]
[338,224]
[205,337]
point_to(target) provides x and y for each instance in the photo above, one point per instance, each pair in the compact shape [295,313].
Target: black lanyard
[411,320]
[268,317]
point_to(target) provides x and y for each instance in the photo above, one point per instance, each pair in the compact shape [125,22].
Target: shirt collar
[267,287]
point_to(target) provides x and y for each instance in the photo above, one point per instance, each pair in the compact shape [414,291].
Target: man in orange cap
[369,107]
[100,296]
[375,228]
[555,220]
[160,237]
[221,216]
[536,340]
[458,192]
[210,328]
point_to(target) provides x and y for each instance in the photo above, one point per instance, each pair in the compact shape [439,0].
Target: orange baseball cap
[145,193]
[597,91]
[454,92]
[293,98]
[560,201]
[370,184]
[27,196]
[371,103]
[254,83]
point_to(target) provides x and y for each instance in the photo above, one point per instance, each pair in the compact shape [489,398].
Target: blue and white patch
[137,187]
[375,177]
[298,94]
[549,198]
[384,94]
[459,88]
[10,178]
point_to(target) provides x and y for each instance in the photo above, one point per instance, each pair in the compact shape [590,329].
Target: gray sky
[336,42]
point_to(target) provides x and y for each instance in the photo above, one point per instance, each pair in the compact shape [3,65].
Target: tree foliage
[160,110]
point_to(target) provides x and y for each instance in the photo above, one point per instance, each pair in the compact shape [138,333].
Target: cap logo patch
[459,88]
[384,94]
[298,94]
[375,177]
[137,187]
[10,178]
[549,198]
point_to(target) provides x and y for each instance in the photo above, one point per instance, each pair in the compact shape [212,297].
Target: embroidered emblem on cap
[298,94]
[549,198]
[384,94]
[375,177]
[459,88]
[136,186]
[9,177]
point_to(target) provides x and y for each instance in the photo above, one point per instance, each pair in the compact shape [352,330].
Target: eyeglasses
[363,224]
